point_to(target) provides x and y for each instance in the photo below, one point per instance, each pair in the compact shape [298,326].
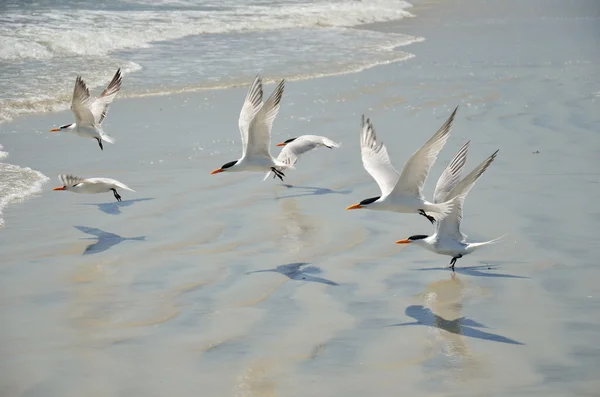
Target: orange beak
[281,144]
[405,241]
[55,130]
[59,188]
[354,207]
[216,171]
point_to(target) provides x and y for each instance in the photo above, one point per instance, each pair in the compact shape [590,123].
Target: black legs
[453,261]
[277,173]
[430,218]
[117,196]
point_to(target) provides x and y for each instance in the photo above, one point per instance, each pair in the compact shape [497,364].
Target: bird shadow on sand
[105,241]
[311,191]
[460,326]
[476,271]
[114,207]
[297,271]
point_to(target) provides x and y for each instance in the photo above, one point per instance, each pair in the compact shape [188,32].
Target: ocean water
[17,183]
[168,46]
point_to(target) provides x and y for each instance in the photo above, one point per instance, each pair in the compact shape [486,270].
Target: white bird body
[295,147]
[403,192]
[448,238]
[76,184]
[444,246]
[255,123]
[316,140]
[90,113]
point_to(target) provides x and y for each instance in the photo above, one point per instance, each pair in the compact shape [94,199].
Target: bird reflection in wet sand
[445,297]
[450,330]
[476,271]
[297,229]
[297,271]
[114,208]
[105,241]
[459,326]
[312,191]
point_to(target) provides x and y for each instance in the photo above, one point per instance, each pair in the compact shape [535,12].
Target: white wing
[252,105]
[100,105]
[69,180]
[80,104]
[451,175]
[375,159]
[417,167]
[450,225]
[290,153]
[465,185]
[109,182]
[259,133]
[319,140]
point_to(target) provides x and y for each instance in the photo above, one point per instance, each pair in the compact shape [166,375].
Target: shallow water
[233,286]
[172,46]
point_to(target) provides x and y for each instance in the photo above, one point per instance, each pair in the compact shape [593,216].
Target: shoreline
[131,67]
[261,288]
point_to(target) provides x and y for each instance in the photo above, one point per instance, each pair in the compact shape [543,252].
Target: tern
[255,123]
[448,239]
[402,192]
[76,184]
[295,147]
[91,112]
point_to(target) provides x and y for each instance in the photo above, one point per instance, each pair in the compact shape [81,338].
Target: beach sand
[224,285]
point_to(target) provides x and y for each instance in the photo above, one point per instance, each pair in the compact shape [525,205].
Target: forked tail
[106,138]
[123,186]
[474,246]
[269,174]
[331,144]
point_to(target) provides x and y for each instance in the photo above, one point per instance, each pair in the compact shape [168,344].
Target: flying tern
[76,184]
[402,192]
[255,123]
[91,112]
[295,147]
[448,239]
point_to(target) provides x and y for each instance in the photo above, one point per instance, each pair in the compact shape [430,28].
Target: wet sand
[225,285]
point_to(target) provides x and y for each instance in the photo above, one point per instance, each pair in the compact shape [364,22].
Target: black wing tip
[257,80]
[255,92]
[115,82]
[81,83]
[459,159]
[277,94]
[280,87]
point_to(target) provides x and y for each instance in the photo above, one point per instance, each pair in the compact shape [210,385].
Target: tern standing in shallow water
[255,123]
[90,113]
[295,147]
[448,239]
[76,184]
[402,192]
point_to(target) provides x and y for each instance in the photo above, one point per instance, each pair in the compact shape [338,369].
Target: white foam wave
[17,184]
[93,32]
[51,91]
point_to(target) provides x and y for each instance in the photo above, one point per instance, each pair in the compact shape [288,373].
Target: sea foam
[17,183]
